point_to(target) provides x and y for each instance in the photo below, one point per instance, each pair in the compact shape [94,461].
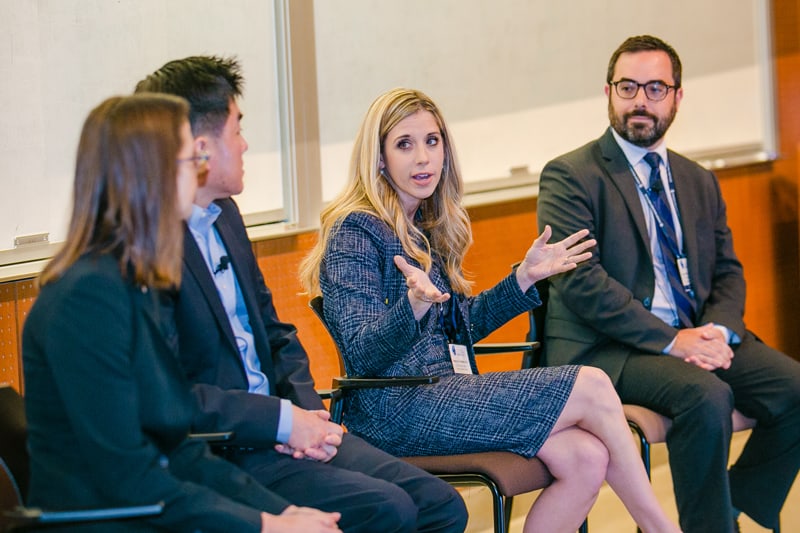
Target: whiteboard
[521,81]
[60,58]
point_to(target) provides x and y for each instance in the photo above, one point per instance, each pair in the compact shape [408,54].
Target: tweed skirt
[511,411]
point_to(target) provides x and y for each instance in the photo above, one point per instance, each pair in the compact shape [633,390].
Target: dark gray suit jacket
[599,313]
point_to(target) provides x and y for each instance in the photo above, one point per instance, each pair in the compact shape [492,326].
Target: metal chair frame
[14,515]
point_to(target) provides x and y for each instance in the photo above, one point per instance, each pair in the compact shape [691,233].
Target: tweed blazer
[599,313]
[109,409]
[366,305]
[209,353]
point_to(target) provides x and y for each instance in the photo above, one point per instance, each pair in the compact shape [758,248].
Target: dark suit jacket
[209,353]
[109,410]
[599,313]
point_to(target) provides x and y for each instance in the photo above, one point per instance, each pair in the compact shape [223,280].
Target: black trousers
[373,490]
[763,384]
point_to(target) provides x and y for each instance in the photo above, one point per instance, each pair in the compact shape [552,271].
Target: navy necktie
[668,241]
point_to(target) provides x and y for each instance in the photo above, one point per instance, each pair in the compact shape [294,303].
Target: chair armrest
[221,436]
[33,515]
[345,383]
[325,394]
[504,347]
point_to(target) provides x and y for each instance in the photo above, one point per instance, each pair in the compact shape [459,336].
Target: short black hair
[644,43]
[209,83]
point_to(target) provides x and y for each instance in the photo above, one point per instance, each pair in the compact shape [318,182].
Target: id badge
[459,358]
[683,270]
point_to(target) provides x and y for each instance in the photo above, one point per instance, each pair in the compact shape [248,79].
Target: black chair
[14,476]
[504,474]
[649,426]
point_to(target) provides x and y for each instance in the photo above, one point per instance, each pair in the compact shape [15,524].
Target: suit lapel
[198,269]
[619,171]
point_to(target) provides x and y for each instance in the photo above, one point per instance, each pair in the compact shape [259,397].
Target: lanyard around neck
[660,222]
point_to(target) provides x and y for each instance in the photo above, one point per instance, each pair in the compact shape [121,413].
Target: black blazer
[598,314]
[208,350]
[109,409]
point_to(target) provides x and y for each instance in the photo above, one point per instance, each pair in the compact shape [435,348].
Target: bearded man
[660,304]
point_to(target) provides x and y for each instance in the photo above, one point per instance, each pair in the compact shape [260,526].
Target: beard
[641,134]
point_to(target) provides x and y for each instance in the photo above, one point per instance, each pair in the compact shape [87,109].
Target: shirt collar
[635,154]
[201,219]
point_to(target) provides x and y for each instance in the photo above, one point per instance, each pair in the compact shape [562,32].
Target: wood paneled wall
[16,299]
[762,209]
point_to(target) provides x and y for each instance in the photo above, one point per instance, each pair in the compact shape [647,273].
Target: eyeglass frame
[644,86]
[197,159]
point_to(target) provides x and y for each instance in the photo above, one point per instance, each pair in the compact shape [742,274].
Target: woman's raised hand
[545,259]
[422,293]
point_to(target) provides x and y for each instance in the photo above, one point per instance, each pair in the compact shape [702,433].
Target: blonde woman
[389,264]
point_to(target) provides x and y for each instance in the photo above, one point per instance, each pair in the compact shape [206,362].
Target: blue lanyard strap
[674,246]
[449,325]
[682,263]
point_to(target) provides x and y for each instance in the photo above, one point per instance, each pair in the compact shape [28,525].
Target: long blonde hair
[125,190]
[441,216]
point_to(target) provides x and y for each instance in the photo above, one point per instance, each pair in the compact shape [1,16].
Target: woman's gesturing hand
[545,259]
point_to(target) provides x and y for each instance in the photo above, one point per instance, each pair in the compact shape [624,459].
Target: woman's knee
[592,459]
[578,455]
[593,386]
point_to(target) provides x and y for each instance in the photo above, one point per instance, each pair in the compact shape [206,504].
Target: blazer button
[647,303]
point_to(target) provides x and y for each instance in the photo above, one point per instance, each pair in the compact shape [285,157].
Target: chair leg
[509,501]
[644,448]
[499,510]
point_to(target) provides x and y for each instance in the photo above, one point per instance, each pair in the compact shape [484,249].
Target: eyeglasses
[196,159]
[655,90]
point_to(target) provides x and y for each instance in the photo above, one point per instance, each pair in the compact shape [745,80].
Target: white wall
[521,81]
